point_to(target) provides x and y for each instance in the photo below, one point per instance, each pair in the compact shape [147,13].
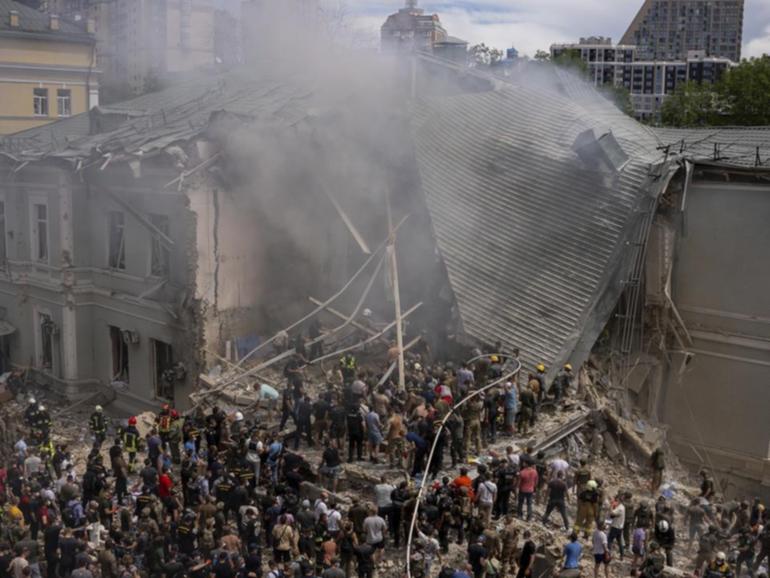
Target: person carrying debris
[98,425]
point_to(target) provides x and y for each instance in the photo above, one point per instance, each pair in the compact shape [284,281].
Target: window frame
[60,98]
[34,228]
[119,263]
[42,100]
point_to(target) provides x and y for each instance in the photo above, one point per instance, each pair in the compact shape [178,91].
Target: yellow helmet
[494,359]
[541,367]
[568,366]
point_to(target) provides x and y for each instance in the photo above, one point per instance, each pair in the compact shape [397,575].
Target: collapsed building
[147,241]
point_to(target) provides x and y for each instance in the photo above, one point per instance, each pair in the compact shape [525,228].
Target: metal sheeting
[738,146]
[529,235]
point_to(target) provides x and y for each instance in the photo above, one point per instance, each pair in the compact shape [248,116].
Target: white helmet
[367,312]
[591,484]
[238,416]
[663,526]
[41,408]
[98,408]
[32,400]
[721,557]
[417,367]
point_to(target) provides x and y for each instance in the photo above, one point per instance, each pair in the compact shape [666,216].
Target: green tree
[571,59]
[691,104]
[542,56]
[745,92]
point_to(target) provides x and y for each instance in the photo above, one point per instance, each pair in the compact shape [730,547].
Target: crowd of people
[224,495]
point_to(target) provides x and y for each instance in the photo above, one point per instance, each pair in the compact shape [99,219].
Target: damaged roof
[733,146]
[531,234]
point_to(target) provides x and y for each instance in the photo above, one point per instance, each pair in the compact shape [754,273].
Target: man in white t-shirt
[600,550]
[375,529]
[617,521]
[319,507]
[558,465]
[486,494]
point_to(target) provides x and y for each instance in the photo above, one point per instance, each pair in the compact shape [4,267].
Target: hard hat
[367,312]
[592,485]
[417,367]
[663,526]
[132,420]
[238,416]
[721,557]
[494,359]
[568,366]
[541,367]
[98,408]
[32,400]
[41,408]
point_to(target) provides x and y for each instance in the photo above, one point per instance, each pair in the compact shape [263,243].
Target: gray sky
[530,25]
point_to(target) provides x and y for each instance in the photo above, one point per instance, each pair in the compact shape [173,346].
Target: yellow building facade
[47,68]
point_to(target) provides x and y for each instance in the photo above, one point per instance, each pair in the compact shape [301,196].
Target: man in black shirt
[557,497]
[331,465]
[527,558]
[477,557]
[51,548]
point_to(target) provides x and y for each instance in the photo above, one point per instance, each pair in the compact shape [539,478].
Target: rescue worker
[665,536]
[719,568]
[528,403]
[562,382]
[588,500]
[540,377]
[98,425]
[164,423]
[131,442]
[654,563]
[348,367]
[41,425]
[472,421]
[30,412]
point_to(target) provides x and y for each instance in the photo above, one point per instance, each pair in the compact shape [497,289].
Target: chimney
[91,26]
[13,18]
[54,22]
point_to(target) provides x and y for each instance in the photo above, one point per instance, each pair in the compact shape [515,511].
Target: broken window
[40,232]
[163,362]
[117,240]
[119,355]
[159,258]
[45,332]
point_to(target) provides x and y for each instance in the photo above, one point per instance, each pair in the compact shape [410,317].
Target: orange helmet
[132,420]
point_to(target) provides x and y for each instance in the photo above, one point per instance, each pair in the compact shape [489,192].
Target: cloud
[758,46]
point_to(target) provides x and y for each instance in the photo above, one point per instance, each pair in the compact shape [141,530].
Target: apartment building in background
[668,30]
[139,42]
[412,29]
[47,67]
[649,82]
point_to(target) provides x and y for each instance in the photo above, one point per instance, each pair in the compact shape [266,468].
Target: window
[117,240]
[45,331]
[159,258]
[40,232]
[163,362]
[119,355]
[64,102]
[40,101]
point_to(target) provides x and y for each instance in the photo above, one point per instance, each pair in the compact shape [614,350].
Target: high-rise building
[412,29]
[669,29]
[48,67]
[649,82]
[140,41]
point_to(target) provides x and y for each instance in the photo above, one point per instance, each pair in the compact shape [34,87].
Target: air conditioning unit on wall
[130,337]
